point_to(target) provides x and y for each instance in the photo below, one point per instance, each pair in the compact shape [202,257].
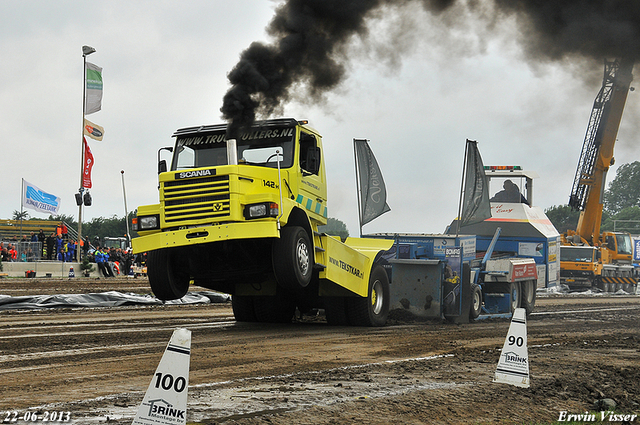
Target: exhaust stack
[232,152]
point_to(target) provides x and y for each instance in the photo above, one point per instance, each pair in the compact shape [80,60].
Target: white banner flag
[93,100]
[39,200]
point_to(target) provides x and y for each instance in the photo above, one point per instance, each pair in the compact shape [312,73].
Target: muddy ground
[96,363]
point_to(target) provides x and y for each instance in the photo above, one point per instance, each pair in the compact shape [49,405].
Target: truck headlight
[148,222]
[265,209]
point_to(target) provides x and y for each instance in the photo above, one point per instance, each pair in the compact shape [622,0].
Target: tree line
[621,210]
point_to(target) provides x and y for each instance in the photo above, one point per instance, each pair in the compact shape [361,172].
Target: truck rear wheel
[335,310]
[528,299]
[373,309]
[278,308]
[242,306]
[292,257]
[168,276]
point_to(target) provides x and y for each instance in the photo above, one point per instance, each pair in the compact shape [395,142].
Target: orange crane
[589,258]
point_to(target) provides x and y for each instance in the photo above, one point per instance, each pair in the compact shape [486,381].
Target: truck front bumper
[205,234]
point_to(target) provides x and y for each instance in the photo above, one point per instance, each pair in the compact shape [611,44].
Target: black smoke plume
[310,36]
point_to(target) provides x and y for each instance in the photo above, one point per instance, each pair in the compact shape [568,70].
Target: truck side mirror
[313,160]
[162,166]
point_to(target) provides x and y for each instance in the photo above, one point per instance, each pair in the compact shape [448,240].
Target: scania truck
[241,216]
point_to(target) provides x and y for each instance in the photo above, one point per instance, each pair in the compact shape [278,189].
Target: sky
[416,87]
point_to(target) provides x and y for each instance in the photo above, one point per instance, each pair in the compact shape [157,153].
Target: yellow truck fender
[349,264]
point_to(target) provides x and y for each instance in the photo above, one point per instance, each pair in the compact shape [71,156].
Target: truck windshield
[624,244]
[256,148]
[568,253]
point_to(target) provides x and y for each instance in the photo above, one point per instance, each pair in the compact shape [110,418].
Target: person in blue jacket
[60,248]
[100,261]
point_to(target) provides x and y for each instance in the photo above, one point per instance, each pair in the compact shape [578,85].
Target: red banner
[88,164]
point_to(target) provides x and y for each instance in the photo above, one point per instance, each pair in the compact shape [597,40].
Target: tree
[563,217]
[629,221]
[624,191]
[335,227]
[20,215]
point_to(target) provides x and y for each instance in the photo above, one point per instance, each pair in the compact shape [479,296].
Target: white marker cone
[513,366]
[166,399]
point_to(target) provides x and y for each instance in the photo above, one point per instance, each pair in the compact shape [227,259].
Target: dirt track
[96,363]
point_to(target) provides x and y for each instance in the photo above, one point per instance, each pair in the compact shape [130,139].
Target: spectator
[33,238]
[13,253]
[68,251]
[59,246]
[51,240]
[41,238]
[85,245]
[101,261]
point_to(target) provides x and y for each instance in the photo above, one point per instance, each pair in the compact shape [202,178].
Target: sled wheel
[242,306]
[514,290]
[476,302]
[528,298]
[373,309]
[168,275]
[292,258]
[277,308]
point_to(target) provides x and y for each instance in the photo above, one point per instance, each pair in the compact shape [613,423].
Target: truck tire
[335,310]
[528,298]
[292,258]
[373,309]
[242,306]
[515,291]
[278,308]
[168,278]
[476,302]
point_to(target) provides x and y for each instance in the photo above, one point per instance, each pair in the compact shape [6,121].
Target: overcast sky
[417,88]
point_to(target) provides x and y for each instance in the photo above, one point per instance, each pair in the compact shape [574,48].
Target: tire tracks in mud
[86,354]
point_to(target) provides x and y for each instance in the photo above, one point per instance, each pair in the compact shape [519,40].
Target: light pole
[126,213]
[86,51]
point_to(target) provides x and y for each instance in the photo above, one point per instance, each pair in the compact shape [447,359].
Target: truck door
[312,194]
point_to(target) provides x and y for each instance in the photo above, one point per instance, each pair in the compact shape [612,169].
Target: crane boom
[597,150]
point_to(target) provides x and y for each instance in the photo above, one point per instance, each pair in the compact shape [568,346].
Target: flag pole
[464,169]
[355,160]
[21,206]
[86,51]
[126,213]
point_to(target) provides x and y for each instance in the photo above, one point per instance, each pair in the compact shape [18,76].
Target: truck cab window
[308,153]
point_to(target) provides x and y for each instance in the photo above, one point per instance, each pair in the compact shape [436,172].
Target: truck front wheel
[168,276]
[373,309]
[292,257]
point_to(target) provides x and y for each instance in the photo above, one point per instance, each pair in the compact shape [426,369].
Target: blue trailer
[441,276]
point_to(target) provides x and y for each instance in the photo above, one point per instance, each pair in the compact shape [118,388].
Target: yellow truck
[241,216]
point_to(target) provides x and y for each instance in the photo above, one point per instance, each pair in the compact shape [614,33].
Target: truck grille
[196,199]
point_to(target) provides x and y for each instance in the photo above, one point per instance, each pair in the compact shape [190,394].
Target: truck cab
[241,216]
[581,267]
